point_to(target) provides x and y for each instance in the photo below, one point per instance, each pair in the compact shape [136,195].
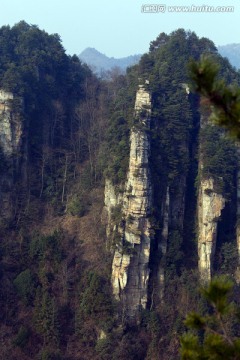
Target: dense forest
[64,135]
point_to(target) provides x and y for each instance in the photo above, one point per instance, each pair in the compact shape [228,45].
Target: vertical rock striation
[10,126]
[130,270]
[210,206]
[11,134]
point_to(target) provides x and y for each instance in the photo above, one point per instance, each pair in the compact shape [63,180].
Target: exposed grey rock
[130,270]
[10,126]
[210,205]
[11,135]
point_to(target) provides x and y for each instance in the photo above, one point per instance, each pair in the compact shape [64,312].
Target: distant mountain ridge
[100,62]
[232,52]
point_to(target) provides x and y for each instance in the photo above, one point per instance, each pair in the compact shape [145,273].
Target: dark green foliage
[174,132]
[31,56]
[95,313]
[118,140]
[121,119]
[46,247]
[95,300]
[229,257]
[48,354]
[132,346]
[116,214]
[46,319]
[215,338]
[3,162]
[25,286]
[22,337]
[225,99]
[48,86]
[175,254]
[77,206]
[171,104]
[217,294]
[219,159]
[104,349]
[62,110]
[76,129]
[159,42]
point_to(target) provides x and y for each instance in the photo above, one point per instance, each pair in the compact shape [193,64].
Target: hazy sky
[118,27]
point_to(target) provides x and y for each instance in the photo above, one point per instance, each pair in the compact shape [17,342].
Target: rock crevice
[130,268]
[210,206]
[10,125]
[11,138]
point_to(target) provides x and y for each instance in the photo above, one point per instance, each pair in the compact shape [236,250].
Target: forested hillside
[118,199]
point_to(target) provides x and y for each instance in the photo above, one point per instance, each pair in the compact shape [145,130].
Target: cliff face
[130,271]
[129,230]
[10,126]
[11,135]
[210,205]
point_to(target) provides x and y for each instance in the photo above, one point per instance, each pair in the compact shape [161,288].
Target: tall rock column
[130,270]
[10,126]
[210,205]
[11,132]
